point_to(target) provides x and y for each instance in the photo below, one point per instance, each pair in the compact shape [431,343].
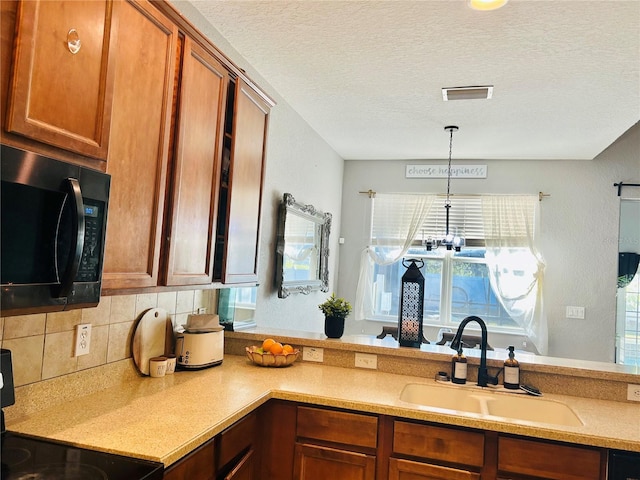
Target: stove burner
[63,471]
[14,456]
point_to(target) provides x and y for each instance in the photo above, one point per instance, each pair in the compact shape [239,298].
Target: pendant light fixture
[451,240]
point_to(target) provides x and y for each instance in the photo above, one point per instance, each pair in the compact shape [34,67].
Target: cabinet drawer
[437,443]
[548,460]
[236,439]
[340,427]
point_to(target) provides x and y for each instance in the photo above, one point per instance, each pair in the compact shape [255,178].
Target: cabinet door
[58,95]
[242,233]
[408,470]
[313,462]
[196,168]
[197,465]
[138,156]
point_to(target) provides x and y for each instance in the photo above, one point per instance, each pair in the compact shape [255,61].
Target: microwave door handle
[76,249]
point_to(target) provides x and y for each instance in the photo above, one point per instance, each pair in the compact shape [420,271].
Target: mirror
[628,296]
[302,248]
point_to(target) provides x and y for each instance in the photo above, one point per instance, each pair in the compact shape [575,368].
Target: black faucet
[483,374]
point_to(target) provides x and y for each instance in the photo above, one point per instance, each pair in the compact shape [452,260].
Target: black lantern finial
[411,305]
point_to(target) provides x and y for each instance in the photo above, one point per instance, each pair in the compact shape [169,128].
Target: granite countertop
[163,419]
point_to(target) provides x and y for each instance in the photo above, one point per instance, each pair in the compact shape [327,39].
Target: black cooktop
[25,458]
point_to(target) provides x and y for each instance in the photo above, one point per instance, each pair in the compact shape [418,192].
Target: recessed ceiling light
[487,4]
[467,93]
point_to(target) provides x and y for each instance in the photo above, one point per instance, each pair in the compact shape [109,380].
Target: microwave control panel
[89,270]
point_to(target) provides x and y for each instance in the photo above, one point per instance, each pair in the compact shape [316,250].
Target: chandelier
[451,240]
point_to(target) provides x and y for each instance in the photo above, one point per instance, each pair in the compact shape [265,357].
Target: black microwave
[54,218]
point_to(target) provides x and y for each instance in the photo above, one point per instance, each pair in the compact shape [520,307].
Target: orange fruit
[276,348]
[266,345]
[287,349]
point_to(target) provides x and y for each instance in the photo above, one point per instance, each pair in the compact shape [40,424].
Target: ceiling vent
[467,93]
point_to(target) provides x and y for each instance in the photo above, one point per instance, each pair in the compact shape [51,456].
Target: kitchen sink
[473,399]
[452,398]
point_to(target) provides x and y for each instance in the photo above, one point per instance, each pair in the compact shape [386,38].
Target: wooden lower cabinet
[314,462]
[231,455]
[335,444]
[291,441]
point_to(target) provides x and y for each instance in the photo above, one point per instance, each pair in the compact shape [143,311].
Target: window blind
[391,211]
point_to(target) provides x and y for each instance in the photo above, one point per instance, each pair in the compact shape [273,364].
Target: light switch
[575,312]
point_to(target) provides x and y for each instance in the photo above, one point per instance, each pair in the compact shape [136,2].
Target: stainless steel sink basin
[472,399]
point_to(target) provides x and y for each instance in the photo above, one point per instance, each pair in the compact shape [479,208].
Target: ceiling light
[487,4]
[467,93]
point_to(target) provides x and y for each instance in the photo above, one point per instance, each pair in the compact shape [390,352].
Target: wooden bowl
[269,359]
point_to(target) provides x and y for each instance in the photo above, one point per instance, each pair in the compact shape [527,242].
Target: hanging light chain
[451,129]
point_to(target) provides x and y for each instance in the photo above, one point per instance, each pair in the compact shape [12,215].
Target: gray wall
[579,228]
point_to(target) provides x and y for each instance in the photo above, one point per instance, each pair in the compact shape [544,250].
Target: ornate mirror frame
[290,208]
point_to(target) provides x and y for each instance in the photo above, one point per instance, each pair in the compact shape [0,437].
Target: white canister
[158,366]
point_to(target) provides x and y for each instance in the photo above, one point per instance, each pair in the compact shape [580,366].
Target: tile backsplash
[42,344]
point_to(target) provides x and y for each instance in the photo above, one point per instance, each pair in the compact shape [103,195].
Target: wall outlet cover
[633,392]
[366,360]
[312,354]
[83,339]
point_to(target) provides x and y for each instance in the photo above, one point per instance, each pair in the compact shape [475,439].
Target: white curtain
[516,268]
[396,220]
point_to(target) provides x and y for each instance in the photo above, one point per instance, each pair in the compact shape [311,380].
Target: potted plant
[335,311]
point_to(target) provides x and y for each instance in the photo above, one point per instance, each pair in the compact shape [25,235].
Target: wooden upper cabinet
[196,168]
[140,140]
[241,209]
[60,96]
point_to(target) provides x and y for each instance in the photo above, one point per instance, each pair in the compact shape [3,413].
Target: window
[497,276]
[456,285]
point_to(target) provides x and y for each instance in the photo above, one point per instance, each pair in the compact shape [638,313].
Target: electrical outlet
[633,392]
[202,310]
[312,354]
[366,360]
[83,339]
[575,312]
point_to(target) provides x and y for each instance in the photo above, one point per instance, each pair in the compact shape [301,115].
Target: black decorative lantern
[411,305]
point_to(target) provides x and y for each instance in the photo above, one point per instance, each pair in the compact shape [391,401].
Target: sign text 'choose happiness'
[442,171]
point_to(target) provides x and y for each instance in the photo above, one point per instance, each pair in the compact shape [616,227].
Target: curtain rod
[621,184]
[541,195]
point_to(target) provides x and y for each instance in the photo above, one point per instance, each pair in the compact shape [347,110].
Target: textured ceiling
[367,75]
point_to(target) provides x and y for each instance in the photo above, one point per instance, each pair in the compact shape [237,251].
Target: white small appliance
[201,344]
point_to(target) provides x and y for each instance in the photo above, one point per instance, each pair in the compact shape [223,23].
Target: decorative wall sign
[441,171]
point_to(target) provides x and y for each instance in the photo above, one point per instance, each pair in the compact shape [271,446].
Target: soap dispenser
[459,367]
[511,371]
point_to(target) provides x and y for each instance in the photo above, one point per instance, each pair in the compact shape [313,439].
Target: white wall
[579,228]
[298,162]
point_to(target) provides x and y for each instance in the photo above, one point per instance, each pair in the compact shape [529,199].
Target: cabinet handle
[73,41]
